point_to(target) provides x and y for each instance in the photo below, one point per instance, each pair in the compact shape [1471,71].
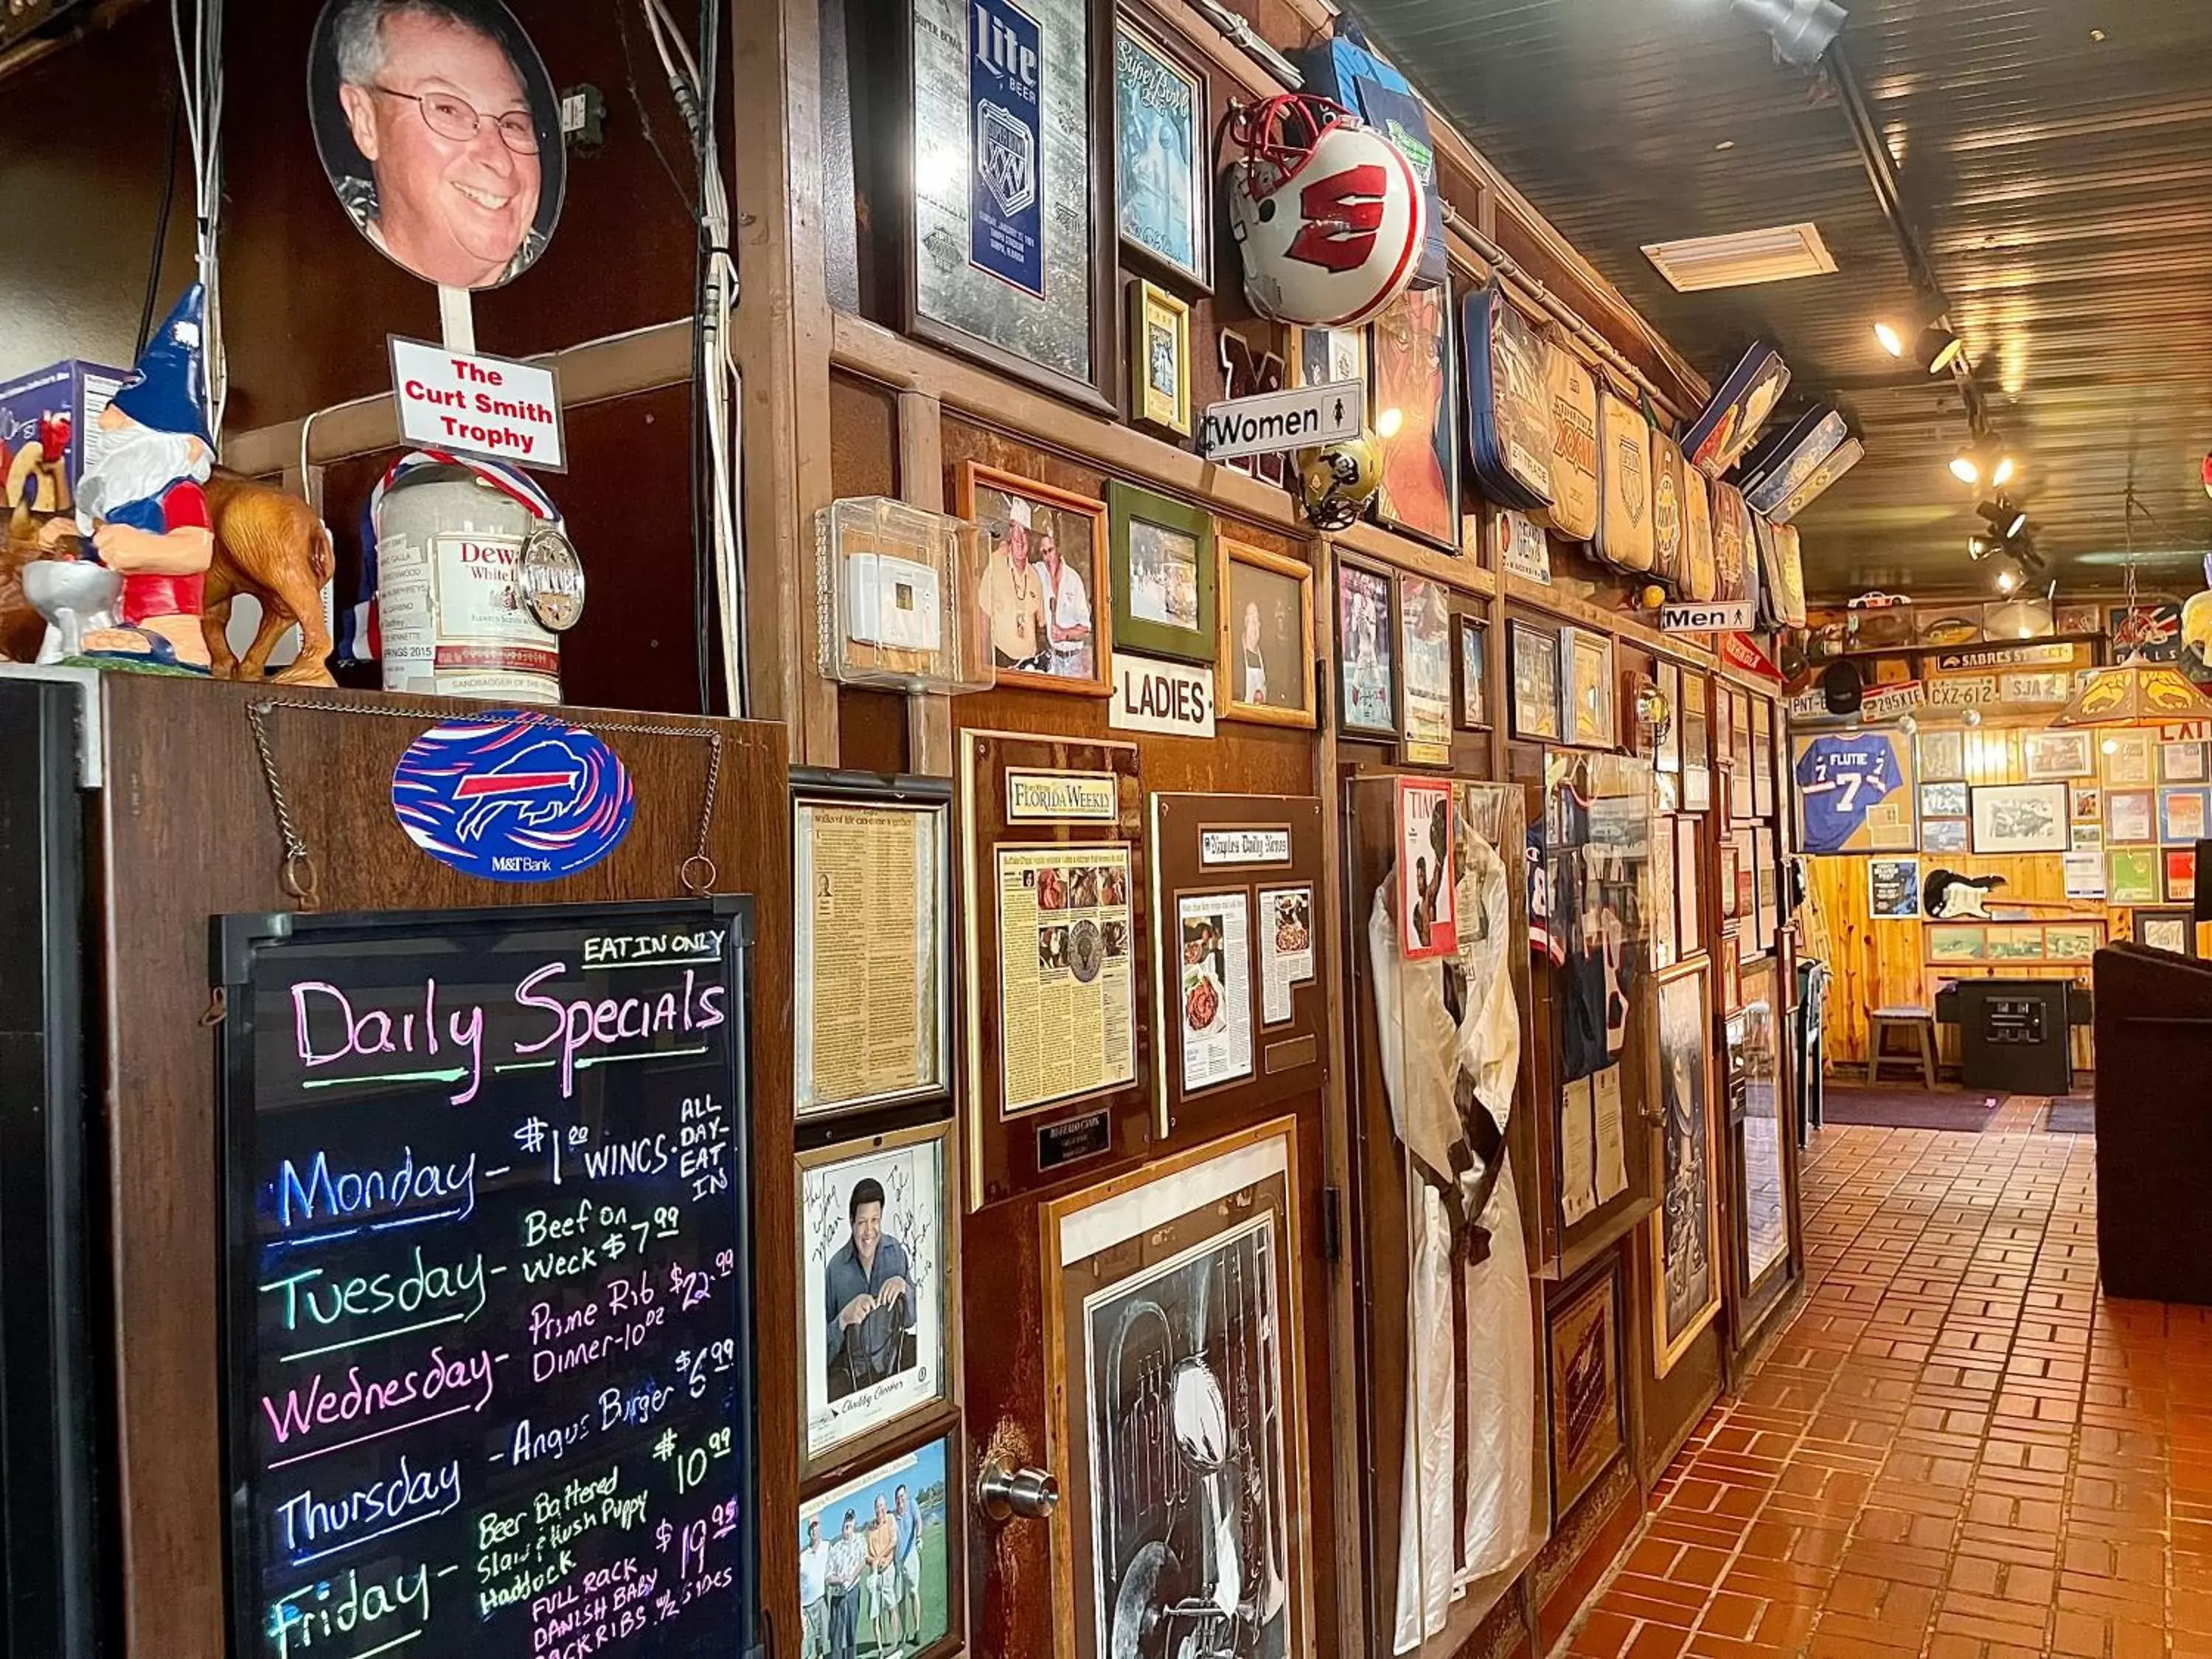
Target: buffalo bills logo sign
[513,796]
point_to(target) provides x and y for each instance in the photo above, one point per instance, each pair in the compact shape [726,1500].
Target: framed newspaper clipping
[1055,955]
[871,992]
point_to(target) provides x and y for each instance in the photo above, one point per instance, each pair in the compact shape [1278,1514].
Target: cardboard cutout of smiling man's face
[453,211]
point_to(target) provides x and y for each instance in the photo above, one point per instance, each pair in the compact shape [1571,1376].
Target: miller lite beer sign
[1006,214]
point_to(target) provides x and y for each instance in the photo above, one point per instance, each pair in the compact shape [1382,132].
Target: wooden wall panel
[1878,964]
[187,832]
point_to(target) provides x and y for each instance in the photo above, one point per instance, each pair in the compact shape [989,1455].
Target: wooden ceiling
[2061,183]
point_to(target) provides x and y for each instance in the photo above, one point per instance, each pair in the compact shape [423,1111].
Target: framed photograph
[1765,879]
[1366,649]
[1589,1407]
[1473,675]
[2059,754]
[2127,759]
[1424,633]
[2181,763]
[1758,1116]
[1412,387]
[1697,745]
[1691,928]
[1685,1291]
[1947,834]
[1742,797]
[1172,1326]
[1037,600]
[1329,356]
[1161,141]
[2014,943]
[2181,815]
[1762,758]
[2132,877]
[1007,257]
[2088,838]
[2087,800]
[2129,815]
[1589,714]
[2180,875]
[877,1248]
[1163,574]
[1264,671]
[2075,942]
[910,1509]
[1535,682]
[1663,917]
[1956,942]
[1159,358]
[1427,895]
[2020,817]
[1943,801]
[872,992]
[1943,757]
[2167,930]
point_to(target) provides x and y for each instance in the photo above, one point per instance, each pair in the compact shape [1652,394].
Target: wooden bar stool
[1918,1025]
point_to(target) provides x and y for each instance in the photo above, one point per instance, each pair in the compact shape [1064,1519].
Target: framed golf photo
[1038,601]
[879,1555]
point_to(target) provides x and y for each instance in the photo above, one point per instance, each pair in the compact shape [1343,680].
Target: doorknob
[1007,1494]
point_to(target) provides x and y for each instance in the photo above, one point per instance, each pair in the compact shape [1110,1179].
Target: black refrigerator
[57,1425]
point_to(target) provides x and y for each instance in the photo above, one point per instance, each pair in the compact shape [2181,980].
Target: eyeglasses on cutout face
[456,118]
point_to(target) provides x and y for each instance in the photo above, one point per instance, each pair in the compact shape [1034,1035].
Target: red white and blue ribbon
[359,636]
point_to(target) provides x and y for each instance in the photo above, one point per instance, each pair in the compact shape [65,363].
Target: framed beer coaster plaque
[1055,955]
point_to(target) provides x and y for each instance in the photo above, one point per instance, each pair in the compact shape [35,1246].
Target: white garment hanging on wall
[1421,1054]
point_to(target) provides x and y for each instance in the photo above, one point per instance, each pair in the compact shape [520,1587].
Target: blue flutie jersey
[1840,778]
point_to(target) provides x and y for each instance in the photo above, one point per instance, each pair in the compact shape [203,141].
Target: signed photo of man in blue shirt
[869,1297]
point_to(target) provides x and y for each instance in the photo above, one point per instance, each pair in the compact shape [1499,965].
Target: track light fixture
[2003,517]
[1932,345]
[1985,460]
[1803,29]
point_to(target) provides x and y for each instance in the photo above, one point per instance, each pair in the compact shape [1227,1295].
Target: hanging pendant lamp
[2134,692]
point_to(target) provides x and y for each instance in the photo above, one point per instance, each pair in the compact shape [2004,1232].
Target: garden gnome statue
[141,505]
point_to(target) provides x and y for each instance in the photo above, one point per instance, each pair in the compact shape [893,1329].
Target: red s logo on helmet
[1343,213]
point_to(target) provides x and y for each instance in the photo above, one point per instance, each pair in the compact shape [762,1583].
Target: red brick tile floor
[1958,1448]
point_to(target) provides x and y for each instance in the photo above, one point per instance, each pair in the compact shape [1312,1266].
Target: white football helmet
[1329,213]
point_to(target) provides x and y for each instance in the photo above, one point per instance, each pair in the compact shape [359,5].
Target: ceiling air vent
[1739,260]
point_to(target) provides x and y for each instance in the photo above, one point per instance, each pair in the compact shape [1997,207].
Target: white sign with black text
[1170,697]
[494,407]
[1277,421]
[1730,617]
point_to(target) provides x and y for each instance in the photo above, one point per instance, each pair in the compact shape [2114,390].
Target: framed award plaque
[1055,954]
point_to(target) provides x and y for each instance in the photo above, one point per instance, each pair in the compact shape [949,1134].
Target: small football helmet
[1336,481]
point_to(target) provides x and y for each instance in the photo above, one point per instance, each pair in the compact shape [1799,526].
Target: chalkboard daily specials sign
[487,1289]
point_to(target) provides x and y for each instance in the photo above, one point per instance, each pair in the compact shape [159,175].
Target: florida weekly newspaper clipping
[1064,981]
